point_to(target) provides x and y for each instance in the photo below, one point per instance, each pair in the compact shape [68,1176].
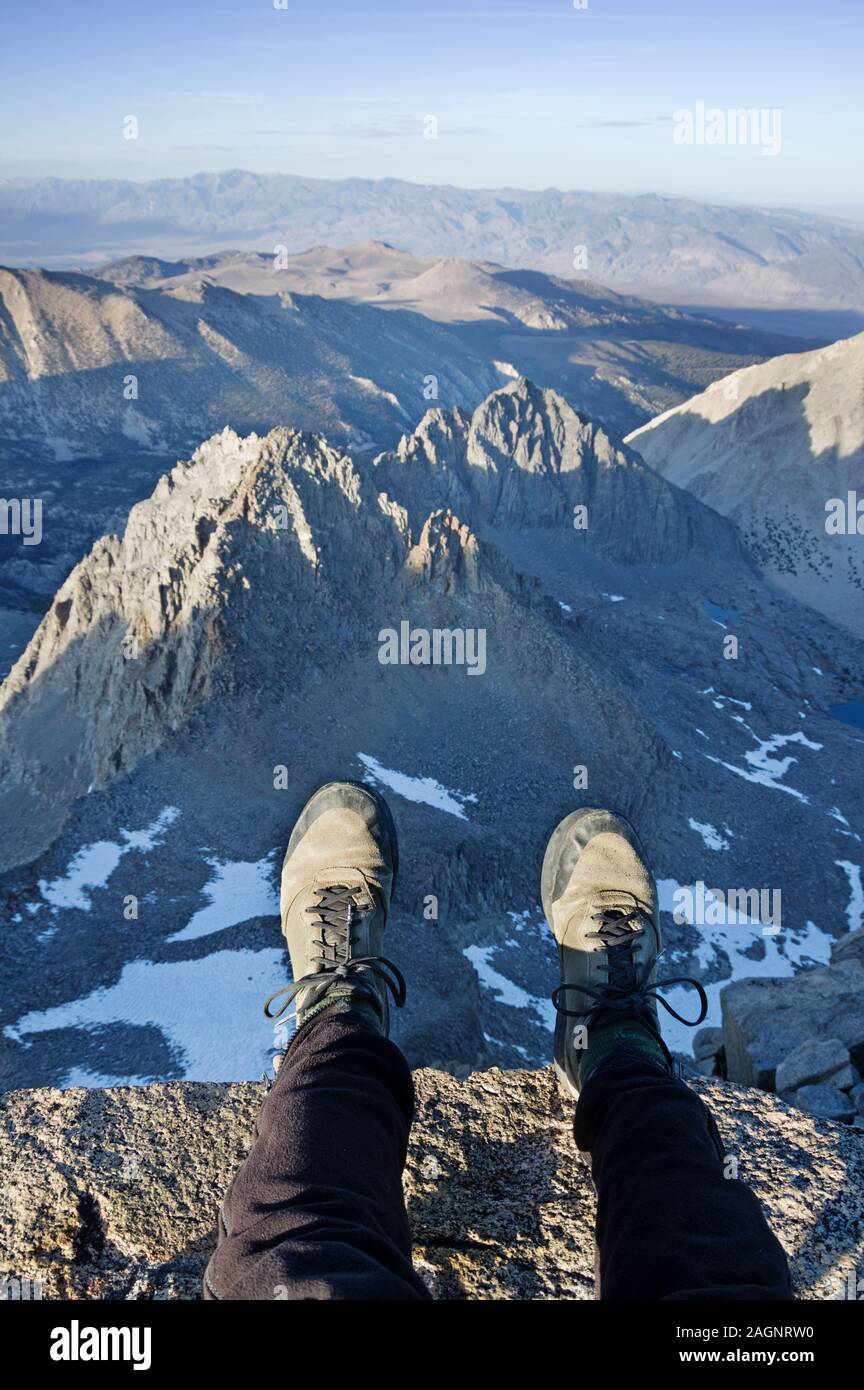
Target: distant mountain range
[674,249]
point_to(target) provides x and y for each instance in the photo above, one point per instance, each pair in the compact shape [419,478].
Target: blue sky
[529,93]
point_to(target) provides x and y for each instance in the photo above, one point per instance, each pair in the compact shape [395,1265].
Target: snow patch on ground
[237,892]
[710,834]
[421,789]
[94,864]
[764,769]
[836,814]
[783,954]
[523,1051]
[208,1009]
[721,700]
[855,910]
[506,992]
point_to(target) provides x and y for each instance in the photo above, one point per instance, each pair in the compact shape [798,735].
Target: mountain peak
[447,553]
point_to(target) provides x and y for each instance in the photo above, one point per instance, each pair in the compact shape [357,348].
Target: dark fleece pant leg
[317,1211]
[670,1225]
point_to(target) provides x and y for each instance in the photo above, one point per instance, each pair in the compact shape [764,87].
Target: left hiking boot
[600,900]
[337,881]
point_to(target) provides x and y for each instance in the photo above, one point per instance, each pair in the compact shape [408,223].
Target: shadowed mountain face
[195,681]
[88,368]
[155,355]
[771,447]
[673,248]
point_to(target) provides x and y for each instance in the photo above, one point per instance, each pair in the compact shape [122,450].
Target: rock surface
[707,1043]
[826,1100]
[849,948]
[90,368]
[526,457]
[114,1193]
[814,1060]
[159,354]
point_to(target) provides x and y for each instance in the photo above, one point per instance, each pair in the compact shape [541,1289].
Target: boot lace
[626,990]
[336,913]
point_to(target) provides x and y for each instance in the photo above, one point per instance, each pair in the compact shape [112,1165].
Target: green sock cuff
[612,1036]
[345,1001]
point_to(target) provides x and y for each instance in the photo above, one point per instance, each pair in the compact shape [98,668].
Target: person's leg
[669,1223]
[317,1211]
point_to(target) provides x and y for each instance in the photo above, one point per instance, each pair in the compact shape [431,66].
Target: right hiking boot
[600,900]
[337,880]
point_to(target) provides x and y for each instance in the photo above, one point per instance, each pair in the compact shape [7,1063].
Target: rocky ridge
[90,368]
[135,635]
[113,1194]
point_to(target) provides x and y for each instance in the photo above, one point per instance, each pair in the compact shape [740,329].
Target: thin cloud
[626,124]
[411,128]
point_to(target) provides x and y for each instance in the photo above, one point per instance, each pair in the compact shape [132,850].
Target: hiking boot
[601,902]
[337,880]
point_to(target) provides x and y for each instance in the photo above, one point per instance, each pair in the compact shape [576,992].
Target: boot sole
[564,1082]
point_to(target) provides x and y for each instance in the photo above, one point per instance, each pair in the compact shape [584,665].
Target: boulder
[849,948]
[707,1043]
[846,1077]
[113,1194]
[764,1020]
[811,1061]
[825,1100]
